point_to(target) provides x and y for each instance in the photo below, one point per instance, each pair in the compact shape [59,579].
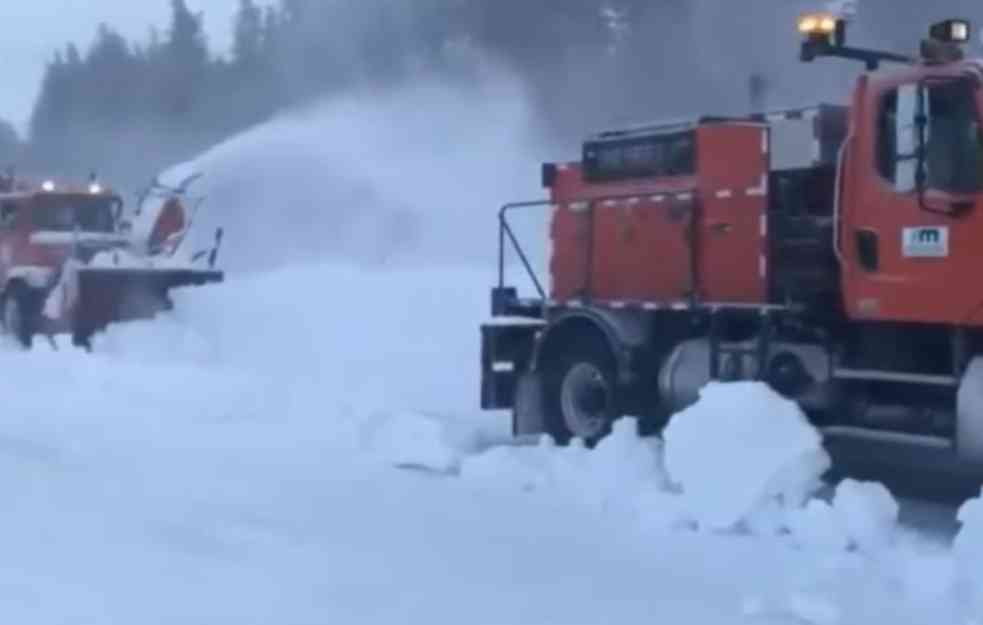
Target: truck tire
[581,392]
[969,413]
[19,309]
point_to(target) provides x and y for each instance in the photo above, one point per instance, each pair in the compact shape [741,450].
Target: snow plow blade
[107,296]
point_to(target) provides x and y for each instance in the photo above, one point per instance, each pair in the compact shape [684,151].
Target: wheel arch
[969,413]
[623,332]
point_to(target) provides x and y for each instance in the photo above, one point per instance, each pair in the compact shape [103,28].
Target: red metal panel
[619,241]
[641,251]
[733,176]
[570,234]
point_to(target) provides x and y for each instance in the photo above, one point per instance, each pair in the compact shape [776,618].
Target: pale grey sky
[34,29]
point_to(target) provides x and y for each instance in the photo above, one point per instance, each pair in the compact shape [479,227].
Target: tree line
[129,107]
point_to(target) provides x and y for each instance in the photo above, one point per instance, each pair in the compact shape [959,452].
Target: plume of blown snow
[403,175]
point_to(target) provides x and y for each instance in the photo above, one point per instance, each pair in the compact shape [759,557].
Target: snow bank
[862,516]
[408,440]
[968,551]
[618,474]
[741,457]
[742,448]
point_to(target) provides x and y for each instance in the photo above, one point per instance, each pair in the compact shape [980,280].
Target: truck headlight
[817,24]
[951,31]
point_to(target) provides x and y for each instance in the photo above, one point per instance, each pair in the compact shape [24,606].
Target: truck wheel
[18,315]
[581,392]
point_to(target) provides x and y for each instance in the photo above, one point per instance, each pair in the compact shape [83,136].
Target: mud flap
[106,296]
[529,409]
[505,352]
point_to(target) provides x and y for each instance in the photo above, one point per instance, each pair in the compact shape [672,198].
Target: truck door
[911,252]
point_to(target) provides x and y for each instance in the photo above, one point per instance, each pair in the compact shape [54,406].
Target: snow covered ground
[233,464]
[301,446]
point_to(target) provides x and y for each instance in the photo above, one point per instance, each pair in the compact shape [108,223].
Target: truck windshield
[64,213]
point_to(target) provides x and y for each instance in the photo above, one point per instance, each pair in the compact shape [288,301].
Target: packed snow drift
[301,445]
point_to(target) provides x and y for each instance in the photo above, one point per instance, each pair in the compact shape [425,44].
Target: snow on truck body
[70,263]
[830,251]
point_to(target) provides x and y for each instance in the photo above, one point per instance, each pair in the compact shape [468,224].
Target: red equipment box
[664,215]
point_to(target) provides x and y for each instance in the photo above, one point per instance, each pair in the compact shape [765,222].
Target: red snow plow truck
[833,252]
[72,263]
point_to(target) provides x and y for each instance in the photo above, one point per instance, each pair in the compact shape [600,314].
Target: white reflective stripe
[763,266]
[578,207]
[684,197]
[764,226]
[651,306]
[610,203]
[575,303]
[765,136]
[761,189]
[658,198]
[724,194]
[680,306]
[503,367]
[817,151]
[633,201]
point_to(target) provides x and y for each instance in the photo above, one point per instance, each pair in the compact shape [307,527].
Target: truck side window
[887,130]
[954,143]
[953,138]
[8,214]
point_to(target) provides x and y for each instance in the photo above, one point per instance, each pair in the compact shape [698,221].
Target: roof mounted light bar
[825,35]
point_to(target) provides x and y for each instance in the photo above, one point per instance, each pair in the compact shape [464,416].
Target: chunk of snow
[742,448]
[927,573]
[862,516]
[968,549]
[413,440]
[514,468]
[868,512]
[817,526]
[623,473]
[801,607]
[814,609]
